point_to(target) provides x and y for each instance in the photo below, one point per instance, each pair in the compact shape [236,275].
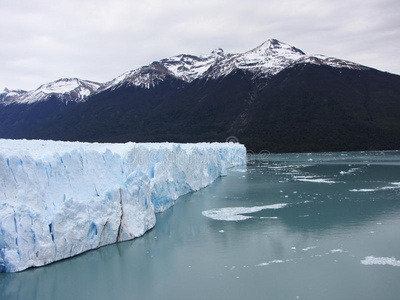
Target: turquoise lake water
[287,226]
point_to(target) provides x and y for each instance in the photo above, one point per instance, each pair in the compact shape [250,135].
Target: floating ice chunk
[394,185]
[353,170]
[317,180]
[371,260]
[276,261]
[239,170]
[235,213]
[313,179]
[309,248]
[336,250]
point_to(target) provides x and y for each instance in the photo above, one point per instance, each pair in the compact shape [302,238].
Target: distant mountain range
[274,97]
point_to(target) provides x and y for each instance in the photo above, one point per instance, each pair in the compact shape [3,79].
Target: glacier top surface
[44,148]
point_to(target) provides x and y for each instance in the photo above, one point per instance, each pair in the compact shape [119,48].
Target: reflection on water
[312,226]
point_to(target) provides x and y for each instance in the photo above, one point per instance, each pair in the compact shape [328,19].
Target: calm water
[335,235]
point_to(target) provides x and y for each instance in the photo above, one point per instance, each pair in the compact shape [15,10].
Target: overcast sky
[44,40]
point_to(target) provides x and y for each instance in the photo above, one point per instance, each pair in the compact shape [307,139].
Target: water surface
[308,226]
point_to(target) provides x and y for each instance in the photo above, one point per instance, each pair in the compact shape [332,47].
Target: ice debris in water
[393,186]
[312,179]
[337,251]
[309,248]
[276,261]
[371,260]
[235,213]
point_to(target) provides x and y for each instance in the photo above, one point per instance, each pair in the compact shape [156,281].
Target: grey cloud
[44,40]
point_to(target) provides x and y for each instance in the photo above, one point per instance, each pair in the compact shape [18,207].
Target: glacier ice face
[59,199]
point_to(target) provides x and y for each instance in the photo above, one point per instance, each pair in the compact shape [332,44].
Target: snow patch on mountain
[184,67]
[8,95]
[66,90]
[145,77]
[264,61]
[268,59]
[319,59]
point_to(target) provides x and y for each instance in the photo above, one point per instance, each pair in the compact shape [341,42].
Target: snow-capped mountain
[264,61]
[184,67]
[8,95]
[273,97]
[268,59]
[65,90]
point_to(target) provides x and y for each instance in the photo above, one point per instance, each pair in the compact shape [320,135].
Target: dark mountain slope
[174,110]
[205,110]
[320,108]
[18,121]
[305,107]
[111,116]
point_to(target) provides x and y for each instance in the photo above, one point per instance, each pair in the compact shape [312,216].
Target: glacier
[59,199]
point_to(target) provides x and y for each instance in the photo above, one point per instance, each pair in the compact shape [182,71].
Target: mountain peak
[9,95]
[8,91]
[219,52]
[66,85]
[275,47]
[64,89]
[264,61]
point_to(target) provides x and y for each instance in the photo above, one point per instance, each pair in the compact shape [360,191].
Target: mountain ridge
[273,97]
[265,60]
[65,89]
